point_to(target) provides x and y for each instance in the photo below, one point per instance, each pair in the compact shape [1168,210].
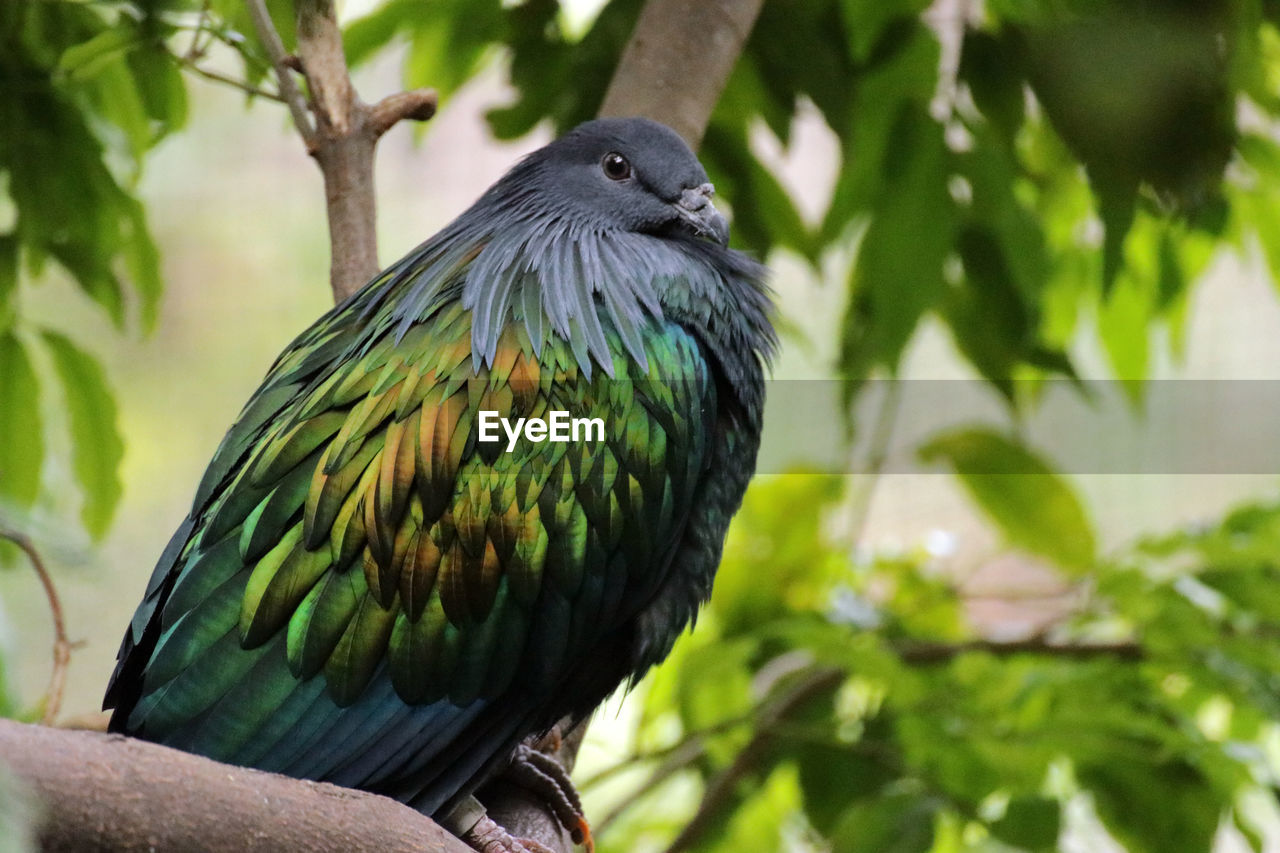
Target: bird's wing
[362,579]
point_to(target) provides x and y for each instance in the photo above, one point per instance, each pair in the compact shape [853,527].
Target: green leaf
[1130,788]
[21,439]
[867,20]
[764,216]
[96,445]
[834,775]
[1035,507]
[870,134]
[448,39]
[8,279]
[366,35]
[898,274]
[898,823]
[992,69]
[1031,823]
[1123,317]
[162,88]
[92,56]
[142,260]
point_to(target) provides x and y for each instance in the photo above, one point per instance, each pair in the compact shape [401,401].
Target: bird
[371,590]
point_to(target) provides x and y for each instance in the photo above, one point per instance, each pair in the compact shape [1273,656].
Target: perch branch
[107,792]
[61,645]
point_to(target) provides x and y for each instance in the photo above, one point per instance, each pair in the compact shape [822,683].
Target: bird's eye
[616,167]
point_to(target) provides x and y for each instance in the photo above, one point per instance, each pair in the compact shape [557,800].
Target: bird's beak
[698,213]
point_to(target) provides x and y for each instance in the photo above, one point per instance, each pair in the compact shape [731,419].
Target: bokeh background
[903,564]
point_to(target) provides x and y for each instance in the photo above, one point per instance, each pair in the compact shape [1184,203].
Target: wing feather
[375,579]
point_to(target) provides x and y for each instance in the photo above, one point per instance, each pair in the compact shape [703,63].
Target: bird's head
[631,174]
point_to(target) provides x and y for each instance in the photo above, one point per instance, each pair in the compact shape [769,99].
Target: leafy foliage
[86,90]
[1154,700]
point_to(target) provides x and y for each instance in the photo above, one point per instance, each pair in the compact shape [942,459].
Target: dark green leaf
[1031,823]
[1154,805]
[898,274]
[867,20]
[897,823]
[765,216]
[990,65]
[904,83]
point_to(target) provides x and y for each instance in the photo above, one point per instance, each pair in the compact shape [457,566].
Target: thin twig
[219,77]
[692,739]
[681,756]
[289,90]
[194,50]
[61,645]
[721,789]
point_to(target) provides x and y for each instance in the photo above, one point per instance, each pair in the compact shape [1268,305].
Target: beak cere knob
[696,209]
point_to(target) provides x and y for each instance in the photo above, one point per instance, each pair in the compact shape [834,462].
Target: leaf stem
[219,77]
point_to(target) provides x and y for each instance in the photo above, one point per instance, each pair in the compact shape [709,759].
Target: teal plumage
[366,592]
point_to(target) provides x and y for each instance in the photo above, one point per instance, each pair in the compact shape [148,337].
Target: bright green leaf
[21,439]
[90,57]
[1034,507]
[96,446]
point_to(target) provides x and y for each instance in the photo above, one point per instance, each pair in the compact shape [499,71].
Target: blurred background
[940,625]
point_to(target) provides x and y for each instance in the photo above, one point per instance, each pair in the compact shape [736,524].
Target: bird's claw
[544,776]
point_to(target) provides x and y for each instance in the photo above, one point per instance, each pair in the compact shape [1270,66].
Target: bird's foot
[538,772]
[487,837]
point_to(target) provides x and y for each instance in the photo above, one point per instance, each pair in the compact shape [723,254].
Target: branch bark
[111,793]
[671,77]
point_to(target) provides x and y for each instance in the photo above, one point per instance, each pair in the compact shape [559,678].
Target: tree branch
[107,792]
[61,645]
[340,132]
[664,76]
[929,653]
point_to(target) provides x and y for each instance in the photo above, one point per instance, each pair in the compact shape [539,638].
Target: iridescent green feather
[368,523]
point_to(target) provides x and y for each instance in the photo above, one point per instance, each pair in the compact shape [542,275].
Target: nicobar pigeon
[368,594]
